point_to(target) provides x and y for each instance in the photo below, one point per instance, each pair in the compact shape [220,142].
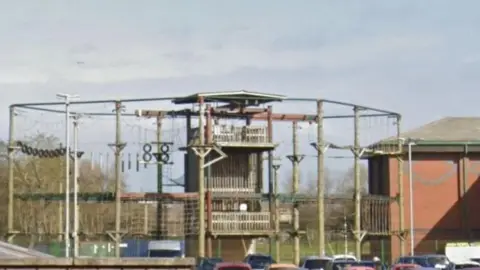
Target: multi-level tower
[233,169]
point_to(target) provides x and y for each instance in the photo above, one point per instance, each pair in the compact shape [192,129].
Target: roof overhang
[241,97]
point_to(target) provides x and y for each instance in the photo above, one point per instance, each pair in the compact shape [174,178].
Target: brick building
[446,185]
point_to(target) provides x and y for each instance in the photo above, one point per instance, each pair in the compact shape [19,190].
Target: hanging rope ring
[165,148]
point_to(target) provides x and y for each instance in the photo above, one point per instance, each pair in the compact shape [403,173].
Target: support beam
[357,184]
[271,192]
[295,158]
[159,221]
[201,181]
[251,113]
[320,146]
[401,192]
[12,148]
[276,214]
[118,147]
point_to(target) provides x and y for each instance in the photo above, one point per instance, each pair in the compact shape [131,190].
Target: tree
[344,206]
[42,218]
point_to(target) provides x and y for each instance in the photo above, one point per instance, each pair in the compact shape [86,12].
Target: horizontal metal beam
[86,102]
[253,114]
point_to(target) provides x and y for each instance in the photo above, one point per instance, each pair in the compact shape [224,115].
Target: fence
[84,263]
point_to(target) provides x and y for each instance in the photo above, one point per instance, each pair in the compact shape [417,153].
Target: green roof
[445,131]
[241,96]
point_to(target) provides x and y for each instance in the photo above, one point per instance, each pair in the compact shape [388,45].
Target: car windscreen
[316,264]
[340,265]
[261,258]
[259,263]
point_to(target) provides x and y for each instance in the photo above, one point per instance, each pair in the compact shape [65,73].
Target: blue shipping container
[134,248]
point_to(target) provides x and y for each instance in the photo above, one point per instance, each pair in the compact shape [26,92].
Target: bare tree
[38,181]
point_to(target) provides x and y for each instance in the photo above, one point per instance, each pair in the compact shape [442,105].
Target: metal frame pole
[276,167]
[67,99]
[295,185]
[357,184]
[401,193]
[410,182]
[201,181]
[119,145]
[320,180]
[160,220]
[75,187]
[11,152]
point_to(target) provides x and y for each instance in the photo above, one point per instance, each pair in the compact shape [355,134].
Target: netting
[238,186]
[39,175]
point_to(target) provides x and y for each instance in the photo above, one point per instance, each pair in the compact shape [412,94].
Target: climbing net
[40,173]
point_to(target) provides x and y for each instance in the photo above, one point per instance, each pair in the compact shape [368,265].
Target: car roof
[343,256]
[316,258]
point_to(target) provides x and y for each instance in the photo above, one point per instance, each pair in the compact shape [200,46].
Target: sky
[418,58]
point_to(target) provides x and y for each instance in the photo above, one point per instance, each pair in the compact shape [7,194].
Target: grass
[286,249]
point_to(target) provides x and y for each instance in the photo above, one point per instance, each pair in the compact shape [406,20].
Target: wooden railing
[241,222]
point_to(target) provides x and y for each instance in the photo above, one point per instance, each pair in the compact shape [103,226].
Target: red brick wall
[436,188]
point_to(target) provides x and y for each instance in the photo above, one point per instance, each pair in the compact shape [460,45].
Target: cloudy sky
[418,58]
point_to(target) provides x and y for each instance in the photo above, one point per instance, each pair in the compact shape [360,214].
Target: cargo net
[39,172]
[378,133]
[166,216]
[339,221]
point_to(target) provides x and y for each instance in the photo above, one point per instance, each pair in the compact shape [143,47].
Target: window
[316,264]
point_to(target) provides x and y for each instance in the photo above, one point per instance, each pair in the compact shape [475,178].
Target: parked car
[405,266]
[466,264]
[360,268]
[428,261]
[260,264]
[259,257]
[339,264]
[344,257]
[206,263]
[232,266]
[281,266]
[314,262]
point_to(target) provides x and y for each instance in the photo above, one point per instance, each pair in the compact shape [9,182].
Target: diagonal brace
[323,150]
[358,152]
[220,152]
[296,158]
[359,235]
[201,152]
